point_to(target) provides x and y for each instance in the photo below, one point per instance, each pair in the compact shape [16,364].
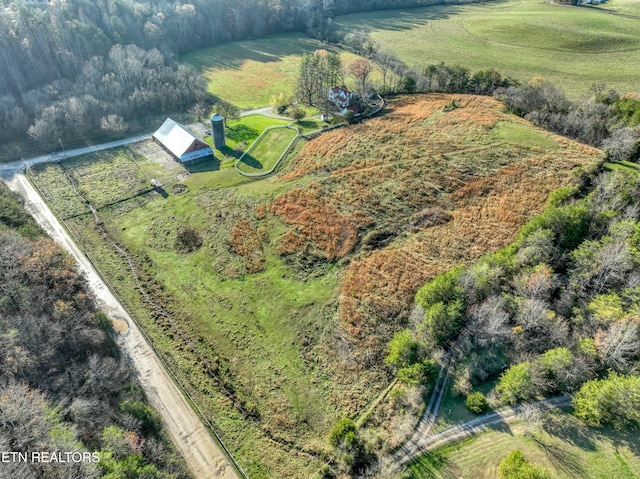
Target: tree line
[63,384]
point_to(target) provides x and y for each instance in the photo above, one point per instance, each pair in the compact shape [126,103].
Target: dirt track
[202,454]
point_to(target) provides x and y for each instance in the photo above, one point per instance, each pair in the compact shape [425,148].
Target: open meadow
[562,444]
[273,300]
[573,47]
[250,73]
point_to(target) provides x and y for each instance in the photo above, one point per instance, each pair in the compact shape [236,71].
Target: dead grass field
[415,192]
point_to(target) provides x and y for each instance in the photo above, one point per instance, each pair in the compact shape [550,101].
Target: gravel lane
[201,452]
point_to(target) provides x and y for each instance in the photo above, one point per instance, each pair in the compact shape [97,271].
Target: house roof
[180,141]
[340,89]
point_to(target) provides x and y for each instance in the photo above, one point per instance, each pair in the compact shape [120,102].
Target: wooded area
[90,70]
[560,306]
[63,384]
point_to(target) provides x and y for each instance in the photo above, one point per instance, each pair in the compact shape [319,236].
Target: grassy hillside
[249,73]
[273,299]
[572,47]
[563,445]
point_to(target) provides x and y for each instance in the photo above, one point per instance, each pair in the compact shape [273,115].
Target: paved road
[202,454]
[265,111]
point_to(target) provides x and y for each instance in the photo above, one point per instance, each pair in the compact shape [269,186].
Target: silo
[217,130]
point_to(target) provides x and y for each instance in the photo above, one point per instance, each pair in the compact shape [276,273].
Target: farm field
[273,300]
[573,47]
[563,445]
[249,73]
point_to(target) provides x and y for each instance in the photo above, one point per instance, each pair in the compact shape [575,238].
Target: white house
[341,96]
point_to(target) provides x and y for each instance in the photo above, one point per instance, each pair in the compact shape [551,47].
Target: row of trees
[604,119]
[63,385]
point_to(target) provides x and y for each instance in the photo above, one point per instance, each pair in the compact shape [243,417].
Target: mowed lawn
[563,445]
[249,73]
[262,157]
[573,47]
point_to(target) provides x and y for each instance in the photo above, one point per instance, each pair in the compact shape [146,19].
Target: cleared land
[276,321]
[264,154]
[572,47]
[249,73]
[563,444]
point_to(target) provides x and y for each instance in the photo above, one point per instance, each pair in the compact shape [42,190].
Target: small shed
[180,142]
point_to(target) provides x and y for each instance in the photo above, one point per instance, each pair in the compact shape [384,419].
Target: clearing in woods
[249,73]
[573,47]
[273,300]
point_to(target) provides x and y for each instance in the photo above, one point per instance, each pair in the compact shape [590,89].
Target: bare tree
[113,124]
[360,70]
[619,346]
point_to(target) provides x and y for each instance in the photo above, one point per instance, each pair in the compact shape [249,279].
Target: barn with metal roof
[181,142]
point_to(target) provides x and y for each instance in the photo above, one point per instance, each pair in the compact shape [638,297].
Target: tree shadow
[162,192]
[568,462]
[264,50]
[251,162]
[308,124]
[433,464]
[240,133]
[209,163]
[624,438]
[563,427]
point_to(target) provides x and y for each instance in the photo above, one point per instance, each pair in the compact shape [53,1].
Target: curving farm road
[202,453]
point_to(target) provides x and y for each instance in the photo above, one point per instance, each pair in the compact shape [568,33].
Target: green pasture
[264,154]
[267,325]
[562,444]
[241,133]
[249,73]
[573,47]
[620,7]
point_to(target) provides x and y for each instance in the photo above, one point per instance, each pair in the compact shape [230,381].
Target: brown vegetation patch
[419,190]
[315,221]
[245,241]
[178,188]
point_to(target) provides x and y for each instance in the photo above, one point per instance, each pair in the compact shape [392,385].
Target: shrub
[515,466]
[418,373]
[340,431]
[149,419]
[188,239]
[297,113]
[614,400]
[477,403]
[103,320]
[403,350]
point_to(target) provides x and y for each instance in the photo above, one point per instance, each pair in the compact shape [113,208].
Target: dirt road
[417,446]
[202,454]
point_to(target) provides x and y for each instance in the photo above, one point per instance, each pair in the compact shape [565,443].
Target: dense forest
[79,71]
[63,385]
